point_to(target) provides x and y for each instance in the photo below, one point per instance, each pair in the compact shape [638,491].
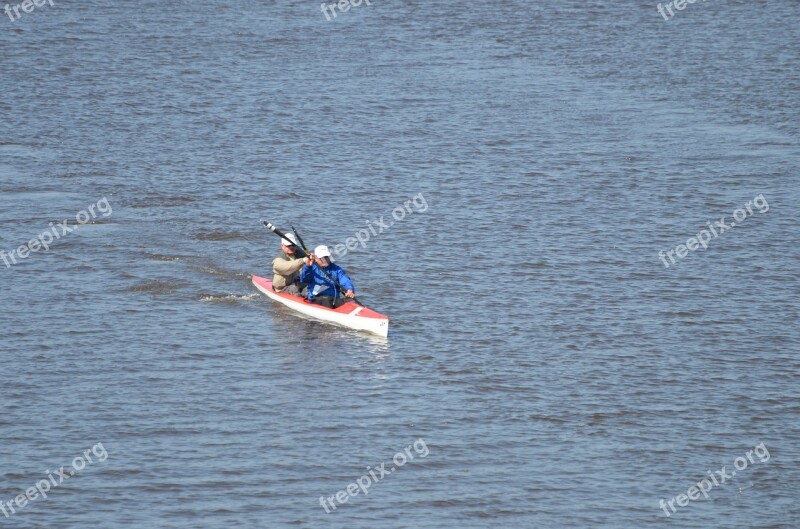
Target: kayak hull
[350,315]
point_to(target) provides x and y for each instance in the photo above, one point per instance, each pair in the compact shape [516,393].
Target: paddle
[303,252]
[299,239]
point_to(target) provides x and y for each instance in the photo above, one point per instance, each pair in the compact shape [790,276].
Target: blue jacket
[319,285]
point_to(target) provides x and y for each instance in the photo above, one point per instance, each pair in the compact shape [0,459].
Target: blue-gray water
[559,374]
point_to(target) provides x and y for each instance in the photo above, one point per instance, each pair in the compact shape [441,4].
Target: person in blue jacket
[322,290]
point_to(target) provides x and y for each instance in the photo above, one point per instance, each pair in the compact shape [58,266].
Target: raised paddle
[299,239]
[303,252]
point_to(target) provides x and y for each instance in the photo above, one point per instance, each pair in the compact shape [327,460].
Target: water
[558,373]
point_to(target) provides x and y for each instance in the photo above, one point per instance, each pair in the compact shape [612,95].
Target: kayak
[350,315]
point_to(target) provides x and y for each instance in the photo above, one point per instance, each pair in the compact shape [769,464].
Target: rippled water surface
[557,372]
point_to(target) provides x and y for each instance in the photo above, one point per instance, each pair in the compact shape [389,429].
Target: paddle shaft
[300,239]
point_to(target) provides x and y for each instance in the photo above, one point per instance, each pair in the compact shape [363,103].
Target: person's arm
[306,274]
[344,281]
[286,268]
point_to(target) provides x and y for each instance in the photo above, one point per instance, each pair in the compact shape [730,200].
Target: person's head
[323,255]
[287,247]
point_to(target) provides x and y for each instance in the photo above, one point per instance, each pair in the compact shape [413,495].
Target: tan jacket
[287,271]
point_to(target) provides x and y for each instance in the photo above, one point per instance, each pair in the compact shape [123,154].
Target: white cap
[289,236]
[322,251]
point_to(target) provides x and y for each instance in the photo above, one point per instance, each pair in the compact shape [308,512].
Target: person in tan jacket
[286,269]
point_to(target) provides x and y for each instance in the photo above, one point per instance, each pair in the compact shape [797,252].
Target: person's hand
[350,294]
[309,259]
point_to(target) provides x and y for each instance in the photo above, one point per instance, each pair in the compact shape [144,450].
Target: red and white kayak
[350,315]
